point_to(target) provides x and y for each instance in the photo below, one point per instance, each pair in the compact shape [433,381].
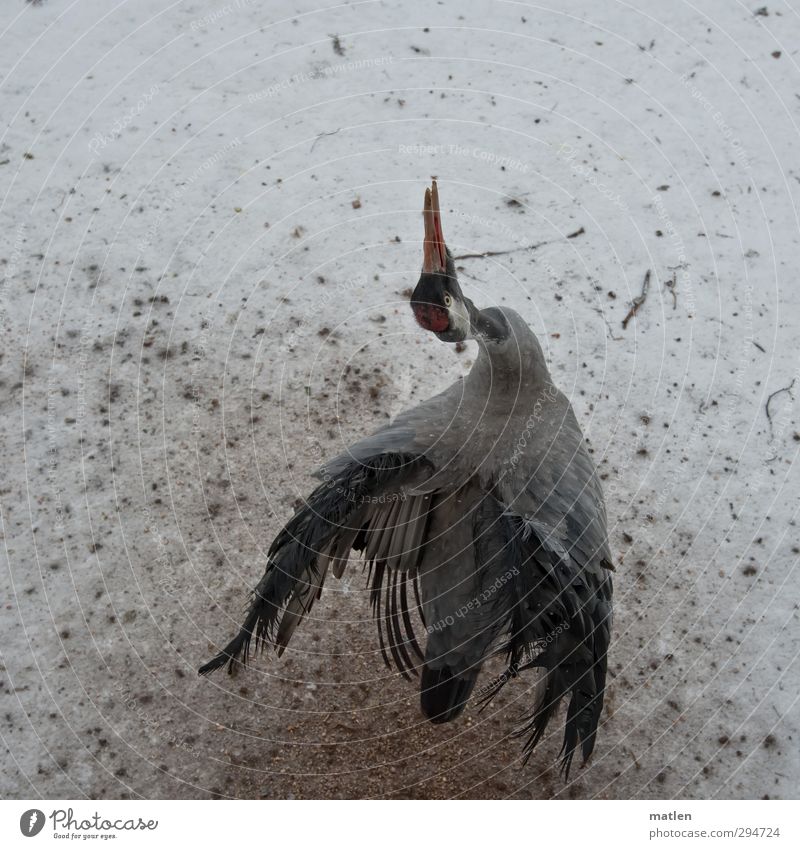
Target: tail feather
[575,669]
[580,726]
[560,619]
[239,646]
[443,695]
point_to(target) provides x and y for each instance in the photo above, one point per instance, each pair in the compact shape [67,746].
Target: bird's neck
[484,325]
[510,360]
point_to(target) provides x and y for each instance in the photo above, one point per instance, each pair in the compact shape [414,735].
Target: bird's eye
[448,300]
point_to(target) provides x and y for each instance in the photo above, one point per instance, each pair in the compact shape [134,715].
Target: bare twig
[637,301]
[608,324]
[532,247]
[314,143]
[776,392]
[486,254]
[670,284]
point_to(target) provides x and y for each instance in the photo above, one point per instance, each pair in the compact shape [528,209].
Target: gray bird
[482,501]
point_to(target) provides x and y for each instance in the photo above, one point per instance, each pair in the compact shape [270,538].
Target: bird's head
[438,303]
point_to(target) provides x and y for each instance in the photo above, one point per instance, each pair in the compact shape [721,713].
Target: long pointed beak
[434,253]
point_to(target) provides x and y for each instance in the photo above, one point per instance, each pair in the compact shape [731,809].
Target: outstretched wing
[362,504]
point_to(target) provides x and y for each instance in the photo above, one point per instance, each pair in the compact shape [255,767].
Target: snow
[210,211]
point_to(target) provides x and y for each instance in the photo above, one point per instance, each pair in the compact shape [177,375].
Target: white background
[208,211]
[622,824]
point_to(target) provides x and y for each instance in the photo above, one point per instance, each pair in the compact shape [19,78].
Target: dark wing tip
[566,764]
[235,652]
[213,665]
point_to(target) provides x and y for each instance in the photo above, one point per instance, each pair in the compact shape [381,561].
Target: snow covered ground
[210,213]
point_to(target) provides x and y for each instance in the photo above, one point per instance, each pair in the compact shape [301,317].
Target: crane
[481,510]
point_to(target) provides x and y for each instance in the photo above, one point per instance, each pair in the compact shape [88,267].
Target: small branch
[638,301]
[776,392]
[314,143]
[486,254]
[670,284]
[608,324]
[533,247]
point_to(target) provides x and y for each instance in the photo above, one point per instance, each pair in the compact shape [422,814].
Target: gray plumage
[481,508]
